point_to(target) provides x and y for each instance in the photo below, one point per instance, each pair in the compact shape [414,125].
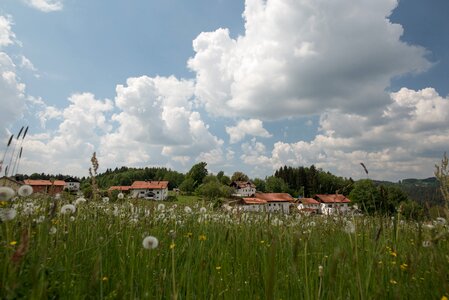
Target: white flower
[57,196]
[72,218]
[160,207]
[105,199]
[349,227]
[187,210]
[120,196]
[25,190]
[52,230]
[150,242]
[80,201]
[203,210]
[6,193]
[68,209]
[7,214]
[440,221]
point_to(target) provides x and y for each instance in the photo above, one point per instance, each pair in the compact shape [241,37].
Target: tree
[260,184]
[187,186]
[197,173]
[442,174]
[225,180]
[275,185]
[211,190]
[366,194]
[239,176]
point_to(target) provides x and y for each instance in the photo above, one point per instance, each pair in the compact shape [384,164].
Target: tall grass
[223,254]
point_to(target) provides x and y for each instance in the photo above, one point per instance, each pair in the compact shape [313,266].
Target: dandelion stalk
[13,151]
[15,167]
[6,150]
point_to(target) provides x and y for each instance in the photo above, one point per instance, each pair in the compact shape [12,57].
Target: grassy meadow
[49,251]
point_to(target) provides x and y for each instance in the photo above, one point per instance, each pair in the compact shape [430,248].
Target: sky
[245,86]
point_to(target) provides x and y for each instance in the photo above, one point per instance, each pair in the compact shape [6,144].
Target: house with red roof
[331,204]
[154,190]
[308,205]
[243,188]
[46,186]
[269,202]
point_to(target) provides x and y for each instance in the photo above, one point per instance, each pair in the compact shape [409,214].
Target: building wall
[159,194]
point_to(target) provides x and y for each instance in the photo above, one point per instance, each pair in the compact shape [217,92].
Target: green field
[97,253]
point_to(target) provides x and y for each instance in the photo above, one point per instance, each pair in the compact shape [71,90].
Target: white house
[155,190]
[333,204]
[243,188]
[72,184]
[308,205]
[269,202]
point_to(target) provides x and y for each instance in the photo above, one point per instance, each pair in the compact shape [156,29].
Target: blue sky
[243,85]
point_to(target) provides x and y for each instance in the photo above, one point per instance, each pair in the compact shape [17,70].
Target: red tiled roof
[119,188]
[275,197]
[149,185]
[332,198]
[37,182]
[59,182]
[242,184]
[308,201]
[253,201]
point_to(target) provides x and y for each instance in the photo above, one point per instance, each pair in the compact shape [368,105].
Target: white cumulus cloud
[45,5]
[303,57]
[252,127]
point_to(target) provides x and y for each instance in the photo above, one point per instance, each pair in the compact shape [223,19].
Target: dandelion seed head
[25,190]
[120,196]
[187,210]
[52,230]
[349,227]
[203,210]
[68,209]
[6,193]
[161,207]
[105,199]
[150,242]
[7,214]
[80,200]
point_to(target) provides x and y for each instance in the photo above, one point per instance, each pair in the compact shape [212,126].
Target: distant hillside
[421,190]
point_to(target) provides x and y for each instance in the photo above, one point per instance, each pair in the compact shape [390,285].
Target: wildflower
[68,209]
[150,242]
[57,196]
[349,227]
[426,244]
[160,207]
[218,268]
[105,278]
[444,298]
[320,271]
[72,218]
[392,281]
[79,201]
[25,190]
[189,234]
[6,193]
[429,226]
[172,246]
[440,221]
[120,196]
[202,237]
[12,243]
[187,210]
[105,199]
[7,214]
[52,230]
[392,253]
[203,210]
[403,266]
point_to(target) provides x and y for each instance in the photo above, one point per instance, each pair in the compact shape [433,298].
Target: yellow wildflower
[189,234]
[105,278]
[202,237]
[392,281]
[444,298]
[12,243]
[262,241]
[172,245]
[404,267]
[218,268]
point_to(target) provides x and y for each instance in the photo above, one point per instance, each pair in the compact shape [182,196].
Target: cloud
[45,5]
[252,127]
[303,57]
[70,147]
[157,123]
[7,36]
[408,138]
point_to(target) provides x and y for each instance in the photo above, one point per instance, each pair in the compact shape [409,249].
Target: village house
[333,204]
[308,205]
[154,190]
[243,188]
[72,184]
[46,186]
[269,202]
[122,188]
